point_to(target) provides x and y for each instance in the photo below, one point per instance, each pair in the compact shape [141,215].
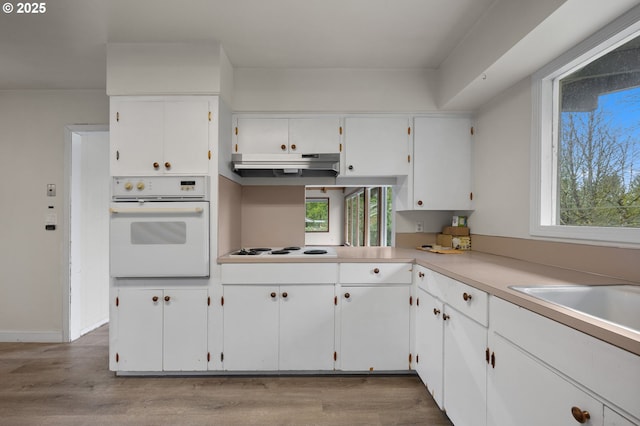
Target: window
[368,213]
[317,217]
[586,156]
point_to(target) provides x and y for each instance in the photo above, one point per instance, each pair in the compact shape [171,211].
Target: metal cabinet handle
[167,165]
[167,298]
[376,271]
[580,415]
[154,298]
[283,147]
[284,295]
[293,146]
[347,295]
[273,295]
[156,165]
[466,297]
[419,202]
[350,167]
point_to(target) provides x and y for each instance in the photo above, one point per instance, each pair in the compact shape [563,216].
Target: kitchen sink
[615,304]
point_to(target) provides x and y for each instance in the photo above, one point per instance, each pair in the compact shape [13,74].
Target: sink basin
[616,304]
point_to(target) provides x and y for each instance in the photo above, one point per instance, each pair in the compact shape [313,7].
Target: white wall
[333,90]
[501,164]
[32,150]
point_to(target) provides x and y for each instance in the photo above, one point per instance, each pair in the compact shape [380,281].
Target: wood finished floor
[70,384]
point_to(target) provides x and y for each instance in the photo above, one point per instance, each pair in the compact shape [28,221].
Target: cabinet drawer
[289,273]
[464,298]
[375,273]
[469,300]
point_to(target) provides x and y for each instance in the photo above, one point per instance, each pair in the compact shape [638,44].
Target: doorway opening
[86,289]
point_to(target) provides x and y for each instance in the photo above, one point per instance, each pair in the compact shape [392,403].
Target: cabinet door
[431,344]
[261,136]
[522,391]
[251,327]
[377,146]
[136,136]
[314,135]
[374,328]
[185,330]
[306,327]
[139,338]
[465,369]
[442,163]
[186,137]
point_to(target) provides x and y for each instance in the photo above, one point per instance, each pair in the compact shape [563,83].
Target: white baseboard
[31,336]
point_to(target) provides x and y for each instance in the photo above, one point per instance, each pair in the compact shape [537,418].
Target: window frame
[363,224]
[544,136]
[319,199]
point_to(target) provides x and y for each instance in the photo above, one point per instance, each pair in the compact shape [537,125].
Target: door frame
[65,269]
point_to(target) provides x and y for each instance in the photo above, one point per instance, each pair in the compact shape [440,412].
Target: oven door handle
[157,210]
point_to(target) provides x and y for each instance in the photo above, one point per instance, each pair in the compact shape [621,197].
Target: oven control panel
[160,187]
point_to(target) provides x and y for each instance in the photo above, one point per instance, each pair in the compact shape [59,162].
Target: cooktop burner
[315,251]
[283,251]
[290,251]
[245,252]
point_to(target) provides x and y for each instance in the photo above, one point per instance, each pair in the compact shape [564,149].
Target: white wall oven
[159,227]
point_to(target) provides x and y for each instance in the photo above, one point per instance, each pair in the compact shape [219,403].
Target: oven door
[159,239]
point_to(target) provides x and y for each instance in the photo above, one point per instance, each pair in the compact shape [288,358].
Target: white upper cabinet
[158,135]
[314,135]
[377,146]
[442,163]
[286,135]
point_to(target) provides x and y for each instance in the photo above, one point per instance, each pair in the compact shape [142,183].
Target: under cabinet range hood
[286,165]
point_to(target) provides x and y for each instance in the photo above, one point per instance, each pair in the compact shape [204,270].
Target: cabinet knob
[154,298]
[436,311]
[419,202]
[156,165]
[466,297]
[273,294]
[283,147]
[445,317]
[350,167]
[167,165]
[347,295]
[167,298]
[421,274]
[580,415]
[284,295]
[293,146]
[376,271]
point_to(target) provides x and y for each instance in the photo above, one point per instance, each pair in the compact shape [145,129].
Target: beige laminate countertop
[493,274]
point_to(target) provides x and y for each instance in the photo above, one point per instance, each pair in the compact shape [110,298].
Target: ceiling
[65,48]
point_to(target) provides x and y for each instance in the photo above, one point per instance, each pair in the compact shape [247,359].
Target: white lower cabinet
[465,372]
[451,341]
[522,391]
[278,327]
[375,316]
[429,344]
[161,329]
[374,328]
[542,372]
